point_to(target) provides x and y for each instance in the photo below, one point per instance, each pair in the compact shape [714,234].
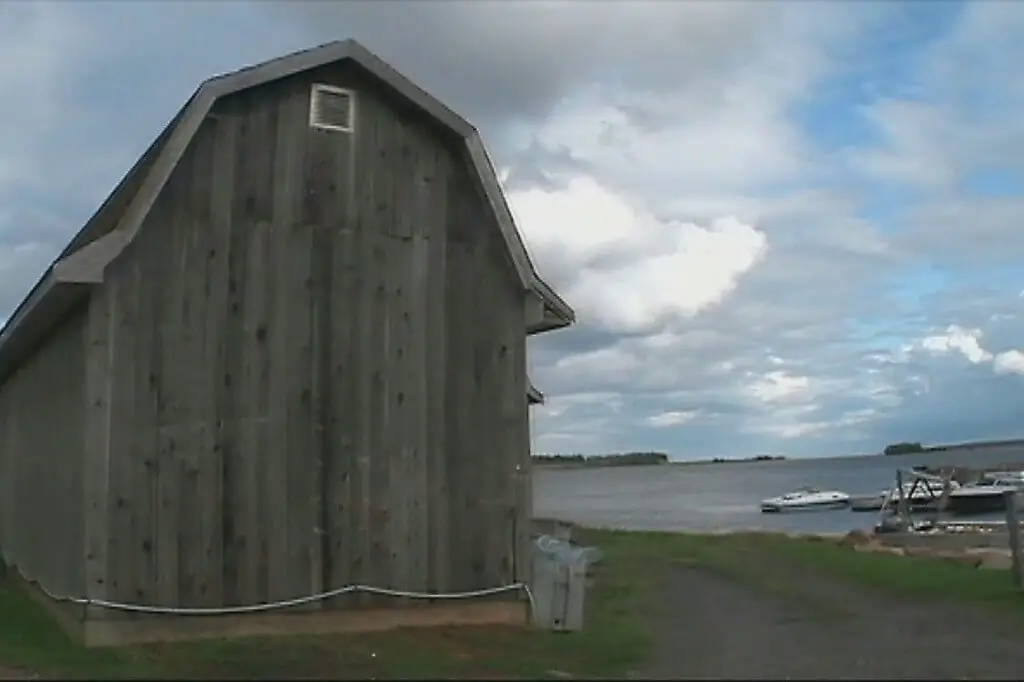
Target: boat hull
[968,505]
[774,508]
[867,503]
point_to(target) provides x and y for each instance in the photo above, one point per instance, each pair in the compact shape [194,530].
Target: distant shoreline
[900,449]
[634,459]
[731,460]
[659,459]
[596,461]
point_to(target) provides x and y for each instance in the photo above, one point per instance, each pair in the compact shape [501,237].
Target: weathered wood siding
[487,422]
[42,423]
[309,368]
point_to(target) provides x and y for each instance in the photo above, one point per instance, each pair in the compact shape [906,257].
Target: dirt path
[790,624]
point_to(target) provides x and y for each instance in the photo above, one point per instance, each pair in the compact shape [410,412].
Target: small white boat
[806,499]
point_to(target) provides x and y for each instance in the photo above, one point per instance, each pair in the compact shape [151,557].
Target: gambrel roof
[116,223]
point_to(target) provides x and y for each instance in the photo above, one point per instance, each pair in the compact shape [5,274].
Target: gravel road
[799,624]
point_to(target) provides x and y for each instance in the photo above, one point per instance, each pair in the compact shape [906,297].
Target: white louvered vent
[331,108]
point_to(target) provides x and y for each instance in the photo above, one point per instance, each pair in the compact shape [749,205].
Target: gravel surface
[795,624]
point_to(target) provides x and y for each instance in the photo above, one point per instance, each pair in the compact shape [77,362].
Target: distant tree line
[610,460]
[756,458]
[903,448]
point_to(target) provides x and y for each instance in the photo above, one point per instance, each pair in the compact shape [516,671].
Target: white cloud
[779,386]
[1009,362]
[630,271]
[671,418]
[968,343]
[746,143]
[956,339]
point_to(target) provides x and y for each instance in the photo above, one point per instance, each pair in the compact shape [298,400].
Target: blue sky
[786,227]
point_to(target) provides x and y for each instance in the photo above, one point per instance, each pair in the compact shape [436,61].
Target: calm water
[726,496]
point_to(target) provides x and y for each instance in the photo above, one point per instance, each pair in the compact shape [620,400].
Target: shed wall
[42,408]
[487,418]
[308,370]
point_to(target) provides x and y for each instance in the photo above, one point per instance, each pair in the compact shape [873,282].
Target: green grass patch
[912,576]
[614,642]
[617,638]
[762,558]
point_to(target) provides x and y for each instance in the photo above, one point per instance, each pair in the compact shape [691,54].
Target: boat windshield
[800,493]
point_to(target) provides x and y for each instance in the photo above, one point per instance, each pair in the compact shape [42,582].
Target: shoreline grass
[617,638]
[738,555]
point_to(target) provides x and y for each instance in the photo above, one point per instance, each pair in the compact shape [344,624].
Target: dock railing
[900,498]
[1014,506]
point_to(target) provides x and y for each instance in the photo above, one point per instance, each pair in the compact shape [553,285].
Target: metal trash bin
[560,583]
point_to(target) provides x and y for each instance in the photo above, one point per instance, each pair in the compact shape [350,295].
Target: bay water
[726,496]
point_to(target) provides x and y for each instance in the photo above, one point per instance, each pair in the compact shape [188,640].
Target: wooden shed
[287,354]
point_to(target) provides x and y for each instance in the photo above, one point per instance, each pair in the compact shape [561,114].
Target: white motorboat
[987,495]
[806,499]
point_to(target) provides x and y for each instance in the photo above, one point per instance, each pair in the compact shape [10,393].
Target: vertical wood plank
[195,447]
[56,564]
[416,528]
[342,507]
[521,567]
[343,491]
[454,400]
[239,515]
[399,446]
[379,353]
[260,286]
[298,286]
[482,427]
[257,428]
[146,461]
[283,581]
[327,206]
[228,166]
[426,221]
[166,384]
[211,398]
[367,343]
[123,497]
[515,424]
[436,339]
[98,381]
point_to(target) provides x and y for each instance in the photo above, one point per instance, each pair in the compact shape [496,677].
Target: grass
[617,638]
[744,555]
[614,642]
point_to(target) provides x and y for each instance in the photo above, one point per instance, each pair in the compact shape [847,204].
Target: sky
[786,228]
